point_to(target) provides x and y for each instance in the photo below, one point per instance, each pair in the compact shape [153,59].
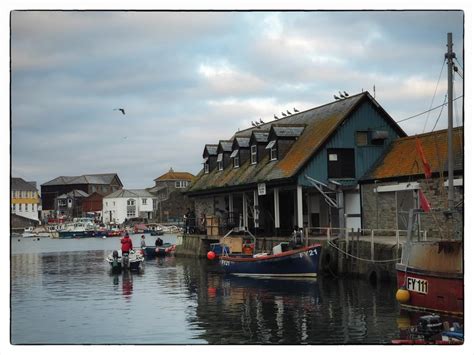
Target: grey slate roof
[226,146]
[133,193]
[18,184]
[260,136]
[243,142]
[74,193]
[97,179]
[211,149]
[287,131]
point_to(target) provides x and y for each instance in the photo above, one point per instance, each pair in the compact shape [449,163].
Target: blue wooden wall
[366,117]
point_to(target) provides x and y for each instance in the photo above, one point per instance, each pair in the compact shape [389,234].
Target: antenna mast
[450,55]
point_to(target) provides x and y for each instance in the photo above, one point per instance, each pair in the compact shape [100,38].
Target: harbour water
[62,292]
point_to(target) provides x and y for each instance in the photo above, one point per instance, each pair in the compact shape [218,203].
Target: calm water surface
[63,293]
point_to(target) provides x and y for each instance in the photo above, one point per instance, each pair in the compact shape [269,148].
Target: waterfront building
[69,205]
[171,204]
[25,199]
[300,170]
[391,188]
[124,204]
[92,205]
[101,183]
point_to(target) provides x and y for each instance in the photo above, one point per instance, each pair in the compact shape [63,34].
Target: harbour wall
[359,258]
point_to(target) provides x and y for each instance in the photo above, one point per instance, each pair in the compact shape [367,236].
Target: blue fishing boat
[163,250]
[297,262]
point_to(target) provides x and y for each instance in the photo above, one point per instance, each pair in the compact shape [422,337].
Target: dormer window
[253,154]
[272,146]
[206,165]
[220,163]
[235,156]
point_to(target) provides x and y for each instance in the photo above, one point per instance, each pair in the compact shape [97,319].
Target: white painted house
[125,204]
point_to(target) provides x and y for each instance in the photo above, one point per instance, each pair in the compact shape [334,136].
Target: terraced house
[301,170]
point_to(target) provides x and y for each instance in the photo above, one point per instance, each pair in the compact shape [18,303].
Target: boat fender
[402,295]
[211,255]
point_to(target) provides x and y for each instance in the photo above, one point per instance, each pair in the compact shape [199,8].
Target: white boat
[29,233]
[135,260]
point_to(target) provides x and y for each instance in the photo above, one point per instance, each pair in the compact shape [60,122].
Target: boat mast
[450,55]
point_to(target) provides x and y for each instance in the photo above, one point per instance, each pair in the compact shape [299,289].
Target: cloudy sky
[190,78]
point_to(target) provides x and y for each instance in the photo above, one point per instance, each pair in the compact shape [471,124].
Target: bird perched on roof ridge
[254,124]
[120,109]
[283,114]
[288,112]
[341,95]
[295,110]
[275,117]
[346,94]
[261,121]
[336,98]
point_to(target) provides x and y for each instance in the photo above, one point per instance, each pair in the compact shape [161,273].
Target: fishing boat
[298,262]
[430,273]
[29,233]
[79,228]
[166,249]
[133,262]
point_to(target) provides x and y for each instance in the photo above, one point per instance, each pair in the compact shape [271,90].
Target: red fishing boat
[430,275]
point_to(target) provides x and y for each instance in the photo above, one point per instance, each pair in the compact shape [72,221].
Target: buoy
[402,295]
[211,255]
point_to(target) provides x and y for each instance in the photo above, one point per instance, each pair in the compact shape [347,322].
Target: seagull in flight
[120,109]
[295,110]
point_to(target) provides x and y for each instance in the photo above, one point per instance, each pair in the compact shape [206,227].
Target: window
[181,184]
[206,168]
[144,201]
[26,207]
[362,138]
[62,203]
[94,189]
[253,154]
[19,207]
[272,146]
[33,207]
[220,163]
[236,161]
[104,188]
[131,208]
[341,163]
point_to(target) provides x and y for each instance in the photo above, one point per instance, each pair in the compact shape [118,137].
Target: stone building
[391,188]
[171,203]
[300,170]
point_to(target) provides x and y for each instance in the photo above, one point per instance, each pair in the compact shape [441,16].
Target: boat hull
[432,274]
[302,262]
[164,250]
[73,234]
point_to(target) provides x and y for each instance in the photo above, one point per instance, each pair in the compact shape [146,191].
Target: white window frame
[253,154]
[144,201]
[236,161]
[26,207]
[206,168]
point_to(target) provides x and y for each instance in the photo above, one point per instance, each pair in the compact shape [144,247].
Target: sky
[186,79]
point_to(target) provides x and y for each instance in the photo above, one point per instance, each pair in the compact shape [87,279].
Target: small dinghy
[132,261]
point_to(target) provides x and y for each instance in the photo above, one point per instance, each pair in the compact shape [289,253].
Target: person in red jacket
[126,244]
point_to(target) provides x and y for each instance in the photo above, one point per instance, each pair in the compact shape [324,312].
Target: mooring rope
[362,259]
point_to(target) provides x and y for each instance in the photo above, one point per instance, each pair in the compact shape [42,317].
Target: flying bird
[346,94]
[261,121]
[275,117]
[336,98]
[288,112]
[295,110]
[283,114]
[120,109]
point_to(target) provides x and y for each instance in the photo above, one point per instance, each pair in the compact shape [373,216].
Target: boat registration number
[310,252]
[417,285]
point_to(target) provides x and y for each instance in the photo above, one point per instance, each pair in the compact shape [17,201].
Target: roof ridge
[427,134]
